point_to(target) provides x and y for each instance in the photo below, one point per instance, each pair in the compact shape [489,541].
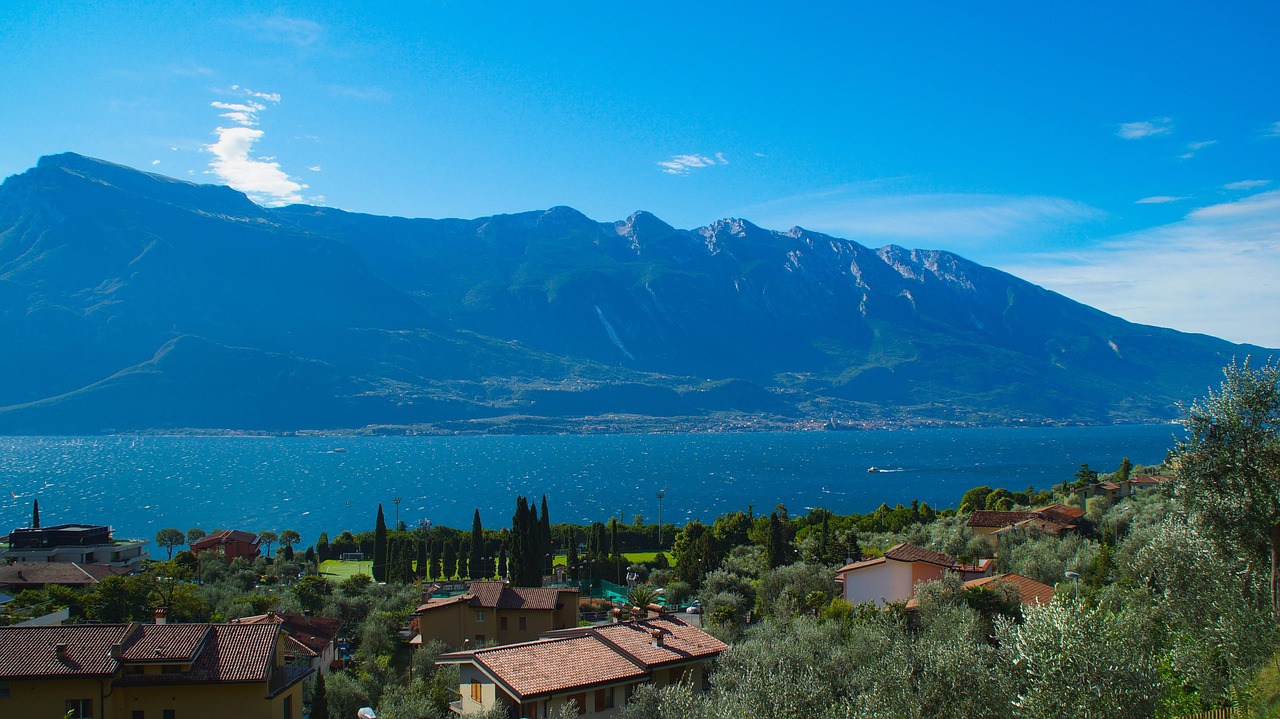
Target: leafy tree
[195,534]
[999,498]
[1085,476]
[695,553]
[1227,469]
[289,537]
[268,538]
[1126,468]
[975,498]
[170,538]
[344,695]
[380,547]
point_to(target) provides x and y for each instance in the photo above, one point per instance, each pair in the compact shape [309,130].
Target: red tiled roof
[1029,590]
[164,642]
[860,565]
[497,595]
[313,632]
[223,537]
[1061,513]
[985,518]
[30,651]
[912,553]
[1149,479]
[589,656]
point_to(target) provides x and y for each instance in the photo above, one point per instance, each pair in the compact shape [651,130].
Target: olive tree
[1227,469]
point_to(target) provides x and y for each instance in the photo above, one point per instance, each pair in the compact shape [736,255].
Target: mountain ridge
[430,321]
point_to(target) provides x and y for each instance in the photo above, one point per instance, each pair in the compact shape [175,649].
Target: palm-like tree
[642,595]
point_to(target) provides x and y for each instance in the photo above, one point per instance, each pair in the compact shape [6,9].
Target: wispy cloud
[684,164]
[371,93]
[295,31]
[258,177]
[1194,147]
[1158,200]
[1272,130]
[1246,185]
[1214,271]
[963,222]
[1145,128]
[314,168]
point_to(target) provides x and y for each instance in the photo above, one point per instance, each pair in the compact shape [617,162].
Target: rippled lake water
[312,484]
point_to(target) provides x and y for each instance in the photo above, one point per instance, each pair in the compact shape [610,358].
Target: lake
[312,484]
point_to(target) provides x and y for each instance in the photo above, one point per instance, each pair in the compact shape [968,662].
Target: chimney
[160,615]
[60,651]
[657,637]
[617,614]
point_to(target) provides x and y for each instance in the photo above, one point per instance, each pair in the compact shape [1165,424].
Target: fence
[1219,713]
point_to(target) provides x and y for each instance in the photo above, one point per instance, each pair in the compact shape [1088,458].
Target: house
[312,639]
[894,576]
[18,577]
[1114,491]
[597,668]
[1030,592]
[79,543]
[233,544]
[148,671]
[1054,519]
[494,612]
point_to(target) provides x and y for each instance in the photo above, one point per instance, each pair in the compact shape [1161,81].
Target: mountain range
[130,301]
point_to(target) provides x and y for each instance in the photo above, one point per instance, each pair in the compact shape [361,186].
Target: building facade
[494,613]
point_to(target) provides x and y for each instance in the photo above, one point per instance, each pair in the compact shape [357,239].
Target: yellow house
[148,671]
[492,612]
[596,668]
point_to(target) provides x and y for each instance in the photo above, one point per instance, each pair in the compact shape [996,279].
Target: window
[170,713]
[171,669]
[631,691]
[79,709]
[604,699]
[676,675]
[502,622]
[288,707]
[479,616]
[4,690]
[523,625]
[135,669]
[477,691]
[138,714]
[529,710]
[580,701]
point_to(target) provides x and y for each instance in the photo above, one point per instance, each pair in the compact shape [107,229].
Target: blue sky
[1126,155]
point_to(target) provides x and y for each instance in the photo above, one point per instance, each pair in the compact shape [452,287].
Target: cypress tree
[322,547]
[544,538]
[519,542]
[380,547]
[392,571]
[477,547]
[406,561]
[571,557]
[776,549]
[319,702]
[450,559]
[433,566]
[502,560]
[421,548]
[464,560]
[824,540]
[35,514]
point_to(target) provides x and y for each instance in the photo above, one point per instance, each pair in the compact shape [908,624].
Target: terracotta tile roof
[67,574]
[223,537]
[1061,513]
[437,602]
[1044,525]
[1029,590]
[497,595]
[234,653]
[313,632]
[1148,480]
[1108,485]
[985,518]
[860,565]
[680,642]
[912,553]
[31,651]
[294,649]
[590,656]
[164,642]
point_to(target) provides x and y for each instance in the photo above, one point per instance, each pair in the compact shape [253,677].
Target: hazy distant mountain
[134,301]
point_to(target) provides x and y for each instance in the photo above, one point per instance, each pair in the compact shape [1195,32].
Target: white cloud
[1145,128]
[683,164]
[155,162]
[314,168]
[1272,130]
[1246,185]
[258,177]
[1194,147]
[960,222]
[299,32]
[1214,271]
[1158,200]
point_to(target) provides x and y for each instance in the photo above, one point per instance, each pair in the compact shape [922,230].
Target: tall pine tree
[450,559]
[544,538]
[380,547]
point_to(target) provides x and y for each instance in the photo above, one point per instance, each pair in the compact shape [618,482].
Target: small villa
[598,669]
[73,543]
[894,576]
[233,543]
[496,613]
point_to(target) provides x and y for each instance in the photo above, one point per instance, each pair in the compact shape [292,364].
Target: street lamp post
[1074,576]
[396,500]
[661,493]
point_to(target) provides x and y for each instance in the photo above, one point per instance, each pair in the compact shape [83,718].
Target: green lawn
[632,557]
[340,570]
